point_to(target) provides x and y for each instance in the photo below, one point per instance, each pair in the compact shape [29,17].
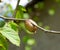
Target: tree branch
[47,31]
[32,3]
[14,19]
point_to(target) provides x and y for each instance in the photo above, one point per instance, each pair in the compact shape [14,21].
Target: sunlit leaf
[10,34]
[22,8]
[18,15]
[13,25]
[3,43]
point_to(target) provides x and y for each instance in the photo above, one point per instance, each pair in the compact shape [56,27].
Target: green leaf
[14,26]
[3,43]
[19,13]
[22,8]
[10,34]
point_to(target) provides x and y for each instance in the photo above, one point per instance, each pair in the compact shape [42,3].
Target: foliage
[10,30]
[2,22]
[3,43]
[10,34]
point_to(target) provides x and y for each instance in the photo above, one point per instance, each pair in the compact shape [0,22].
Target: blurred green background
[47,15]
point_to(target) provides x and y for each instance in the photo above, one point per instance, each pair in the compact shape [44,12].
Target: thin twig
[16,8]
[47,31]
[14,19]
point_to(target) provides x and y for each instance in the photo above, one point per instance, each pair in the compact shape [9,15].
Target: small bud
[30,25]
